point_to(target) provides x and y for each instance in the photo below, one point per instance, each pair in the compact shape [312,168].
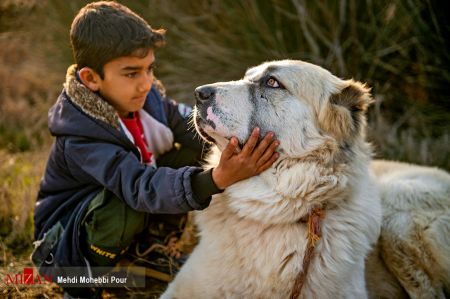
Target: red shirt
[134,126]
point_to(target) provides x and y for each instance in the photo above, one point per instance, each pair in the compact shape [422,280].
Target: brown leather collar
[314,235]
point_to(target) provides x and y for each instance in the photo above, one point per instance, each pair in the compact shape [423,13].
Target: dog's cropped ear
[344,115]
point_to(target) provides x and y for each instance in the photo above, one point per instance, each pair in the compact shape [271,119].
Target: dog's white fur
[251,241]
[413,252]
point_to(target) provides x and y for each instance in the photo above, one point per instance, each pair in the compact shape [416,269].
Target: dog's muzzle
[204,96]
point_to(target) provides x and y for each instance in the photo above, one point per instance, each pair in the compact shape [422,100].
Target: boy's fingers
[269,163]
[251,142]
[263,145]
[268,153]
[229,149]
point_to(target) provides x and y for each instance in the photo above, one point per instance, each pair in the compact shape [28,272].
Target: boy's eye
[272,82]
[132,75]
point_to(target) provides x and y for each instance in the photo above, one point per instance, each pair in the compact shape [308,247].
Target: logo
[28,277]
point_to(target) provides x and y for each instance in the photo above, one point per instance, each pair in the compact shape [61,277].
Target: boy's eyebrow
[131,68]
[134,68]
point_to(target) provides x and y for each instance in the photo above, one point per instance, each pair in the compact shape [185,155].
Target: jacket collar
[89,102]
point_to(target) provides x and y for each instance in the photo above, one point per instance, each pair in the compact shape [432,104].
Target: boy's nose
[204,94]
[146,83]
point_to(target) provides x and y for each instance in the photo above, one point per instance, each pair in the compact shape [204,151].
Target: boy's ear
[90,78]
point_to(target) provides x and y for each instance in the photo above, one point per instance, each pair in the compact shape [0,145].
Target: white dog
[303,228]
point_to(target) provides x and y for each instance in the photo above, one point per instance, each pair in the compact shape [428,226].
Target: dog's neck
[321,173]
[293,187]
[287,193]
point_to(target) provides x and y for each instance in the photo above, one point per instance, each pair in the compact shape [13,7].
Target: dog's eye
[272,82]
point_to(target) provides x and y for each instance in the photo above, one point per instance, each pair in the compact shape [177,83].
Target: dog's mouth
[201,123]
[198,126]
[206,128]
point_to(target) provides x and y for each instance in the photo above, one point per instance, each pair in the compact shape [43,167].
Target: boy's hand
[252,160]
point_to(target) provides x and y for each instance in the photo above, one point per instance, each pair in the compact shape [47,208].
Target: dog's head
[319,120]
[302,103]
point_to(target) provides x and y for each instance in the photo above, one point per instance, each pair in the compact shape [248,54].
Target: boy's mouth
[140,98]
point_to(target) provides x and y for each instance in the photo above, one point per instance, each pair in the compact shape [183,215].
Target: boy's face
[127,80]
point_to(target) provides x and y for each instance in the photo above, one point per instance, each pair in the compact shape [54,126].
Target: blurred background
[400,48]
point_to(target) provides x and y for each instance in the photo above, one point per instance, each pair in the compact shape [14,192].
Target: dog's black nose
[204,94]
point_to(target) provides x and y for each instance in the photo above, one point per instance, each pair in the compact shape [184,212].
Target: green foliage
[15,140]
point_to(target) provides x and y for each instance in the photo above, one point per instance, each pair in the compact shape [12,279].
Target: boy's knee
[108,229]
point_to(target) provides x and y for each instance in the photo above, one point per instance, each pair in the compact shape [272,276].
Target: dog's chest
[271,257]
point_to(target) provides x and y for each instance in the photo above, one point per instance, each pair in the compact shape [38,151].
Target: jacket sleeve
[179,118]
[142,187]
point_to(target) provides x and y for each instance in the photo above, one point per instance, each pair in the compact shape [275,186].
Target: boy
[112,127]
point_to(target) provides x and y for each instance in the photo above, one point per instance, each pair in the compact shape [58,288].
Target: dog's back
[415,236]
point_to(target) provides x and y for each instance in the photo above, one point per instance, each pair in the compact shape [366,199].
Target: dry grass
[20,174]
[373,41]
[399,48]
[29,82]
[417,143]
[26,89]
[11,264]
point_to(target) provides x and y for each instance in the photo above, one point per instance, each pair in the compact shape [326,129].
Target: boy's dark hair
[103,31]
